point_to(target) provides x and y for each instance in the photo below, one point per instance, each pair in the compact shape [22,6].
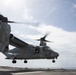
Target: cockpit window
[44,48]
[49,48]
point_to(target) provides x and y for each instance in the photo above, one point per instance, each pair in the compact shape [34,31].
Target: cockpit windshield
[46,48]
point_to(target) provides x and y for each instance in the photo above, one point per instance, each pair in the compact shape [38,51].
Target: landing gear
[53,61]
[56,57]
[14,61]
[25,61]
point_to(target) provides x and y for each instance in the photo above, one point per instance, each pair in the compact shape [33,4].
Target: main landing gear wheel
[25,61]
[53,61]
[14,61]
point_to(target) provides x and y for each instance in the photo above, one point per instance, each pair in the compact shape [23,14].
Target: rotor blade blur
[48,41]
[29,23]
[44,40]
[38,39]
[12,22]
[46,35]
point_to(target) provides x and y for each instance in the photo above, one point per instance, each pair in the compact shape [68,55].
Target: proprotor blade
[43,38]
[5,19]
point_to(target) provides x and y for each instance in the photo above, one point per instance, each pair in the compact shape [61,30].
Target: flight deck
[21,71]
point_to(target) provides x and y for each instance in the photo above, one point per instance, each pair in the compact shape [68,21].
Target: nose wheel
[25,61]
[53,61]
[14,61]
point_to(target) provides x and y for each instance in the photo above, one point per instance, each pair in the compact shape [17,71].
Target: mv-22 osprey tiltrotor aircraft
[23,50]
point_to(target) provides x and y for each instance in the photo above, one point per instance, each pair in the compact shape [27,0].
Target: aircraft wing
[14,41]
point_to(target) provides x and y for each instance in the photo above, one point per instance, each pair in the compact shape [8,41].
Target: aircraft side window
[37,50]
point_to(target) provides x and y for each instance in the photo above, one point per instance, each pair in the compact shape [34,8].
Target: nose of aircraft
[57,54]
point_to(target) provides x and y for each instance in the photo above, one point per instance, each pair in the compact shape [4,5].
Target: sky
[58,17]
